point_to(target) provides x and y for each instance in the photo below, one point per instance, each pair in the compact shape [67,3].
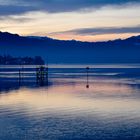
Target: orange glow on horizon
[91,38]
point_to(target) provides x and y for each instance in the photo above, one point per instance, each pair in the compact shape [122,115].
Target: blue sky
[88,20]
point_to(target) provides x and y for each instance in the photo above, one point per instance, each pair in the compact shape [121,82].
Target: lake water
[68,107]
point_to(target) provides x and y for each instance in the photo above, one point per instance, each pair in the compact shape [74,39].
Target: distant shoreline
[10,60]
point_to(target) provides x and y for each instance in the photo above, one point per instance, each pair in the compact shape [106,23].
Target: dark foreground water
[66,109]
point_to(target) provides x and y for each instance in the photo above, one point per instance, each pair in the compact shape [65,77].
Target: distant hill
[71,51]
[9,60]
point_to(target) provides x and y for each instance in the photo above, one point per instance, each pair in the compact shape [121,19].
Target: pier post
[47,75]
[19,78]
[87,69]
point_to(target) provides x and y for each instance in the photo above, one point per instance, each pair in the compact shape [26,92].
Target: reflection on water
[66,109]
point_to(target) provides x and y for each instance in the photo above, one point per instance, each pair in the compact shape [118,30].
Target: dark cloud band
[101,31]
[6,10]
[55,6]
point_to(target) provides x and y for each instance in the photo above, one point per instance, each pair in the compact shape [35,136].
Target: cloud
[6,10]
[100,31]
[55,6]
[15,19]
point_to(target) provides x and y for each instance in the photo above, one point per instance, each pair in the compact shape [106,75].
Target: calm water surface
[66,109]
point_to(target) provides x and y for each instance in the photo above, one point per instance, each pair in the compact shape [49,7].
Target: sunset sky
[86,20]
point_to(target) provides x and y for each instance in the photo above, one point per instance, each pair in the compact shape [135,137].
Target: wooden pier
[42,75]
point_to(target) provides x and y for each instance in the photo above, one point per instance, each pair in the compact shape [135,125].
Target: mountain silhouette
[71,51]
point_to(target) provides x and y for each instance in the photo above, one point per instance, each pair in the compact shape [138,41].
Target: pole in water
[22,73]
[46,74]
[37,74]
[46,66]
[19,77]
[87,86]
